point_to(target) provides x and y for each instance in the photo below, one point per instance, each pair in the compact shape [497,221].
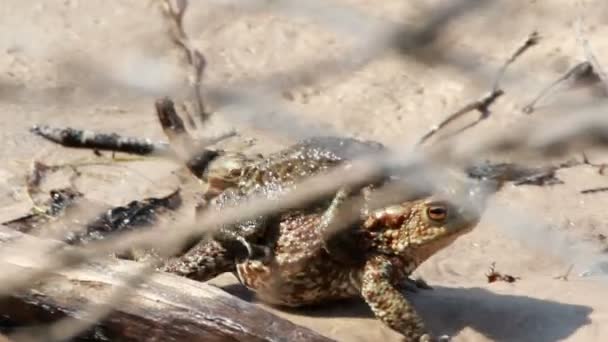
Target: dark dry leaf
[136,214]
[56,205]
[494,275]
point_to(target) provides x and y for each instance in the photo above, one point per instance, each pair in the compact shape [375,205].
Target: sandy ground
[318,67]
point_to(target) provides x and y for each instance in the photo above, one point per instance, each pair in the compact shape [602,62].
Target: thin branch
[483,105]
[594,190]
[590,56]
[566,274]
[581,73]
[194,154]
[181,147]
[76,138]
[531,41]
[173,12]
[585,73]
[601,168]
[173,127]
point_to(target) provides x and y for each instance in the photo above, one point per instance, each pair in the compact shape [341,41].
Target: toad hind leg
[250,239]
[387,303]
[203,262]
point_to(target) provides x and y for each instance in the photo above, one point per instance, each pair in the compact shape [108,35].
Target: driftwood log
[166,308]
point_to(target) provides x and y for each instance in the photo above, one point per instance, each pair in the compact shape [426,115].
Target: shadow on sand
[448,310]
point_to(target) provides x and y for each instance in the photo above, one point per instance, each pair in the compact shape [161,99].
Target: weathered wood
[166,308]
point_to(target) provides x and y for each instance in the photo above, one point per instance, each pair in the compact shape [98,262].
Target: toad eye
[437,212]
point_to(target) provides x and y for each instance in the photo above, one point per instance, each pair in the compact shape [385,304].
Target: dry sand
[318,67]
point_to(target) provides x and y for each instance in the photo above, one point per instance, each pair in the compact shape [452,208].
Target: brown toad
[394,242]
[300,269]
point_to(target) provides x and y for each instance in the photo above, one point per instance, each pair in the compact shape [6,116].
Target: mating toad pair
[292,259]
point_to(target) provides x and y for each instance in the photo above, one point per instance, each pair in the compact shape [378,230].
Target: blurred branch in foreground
[204,313]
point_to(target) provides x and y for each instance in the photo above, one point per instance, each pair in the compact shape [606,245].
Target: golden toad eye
[437,212]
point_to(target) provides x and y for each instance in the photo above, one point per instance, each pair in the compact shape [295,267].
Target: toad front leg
[341,244]
[387,302]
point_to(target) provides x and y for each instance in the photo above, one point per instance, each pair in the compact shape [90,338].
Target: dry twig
[586,73]
[494,275]
[531,41]
[594,190]
[601,168]
[581,74]
[566,274]
[193,154]
[483,105]
[590,56]
[173,12]
[76,138]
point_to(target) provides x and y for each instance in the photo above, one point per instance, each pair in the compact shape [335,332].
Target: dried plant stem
[594,190]
[194,155]
[584,73]
[173,12]
[590,56]
[77,138]
[566,274]
[483,104]
[580,73]
[531,41]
